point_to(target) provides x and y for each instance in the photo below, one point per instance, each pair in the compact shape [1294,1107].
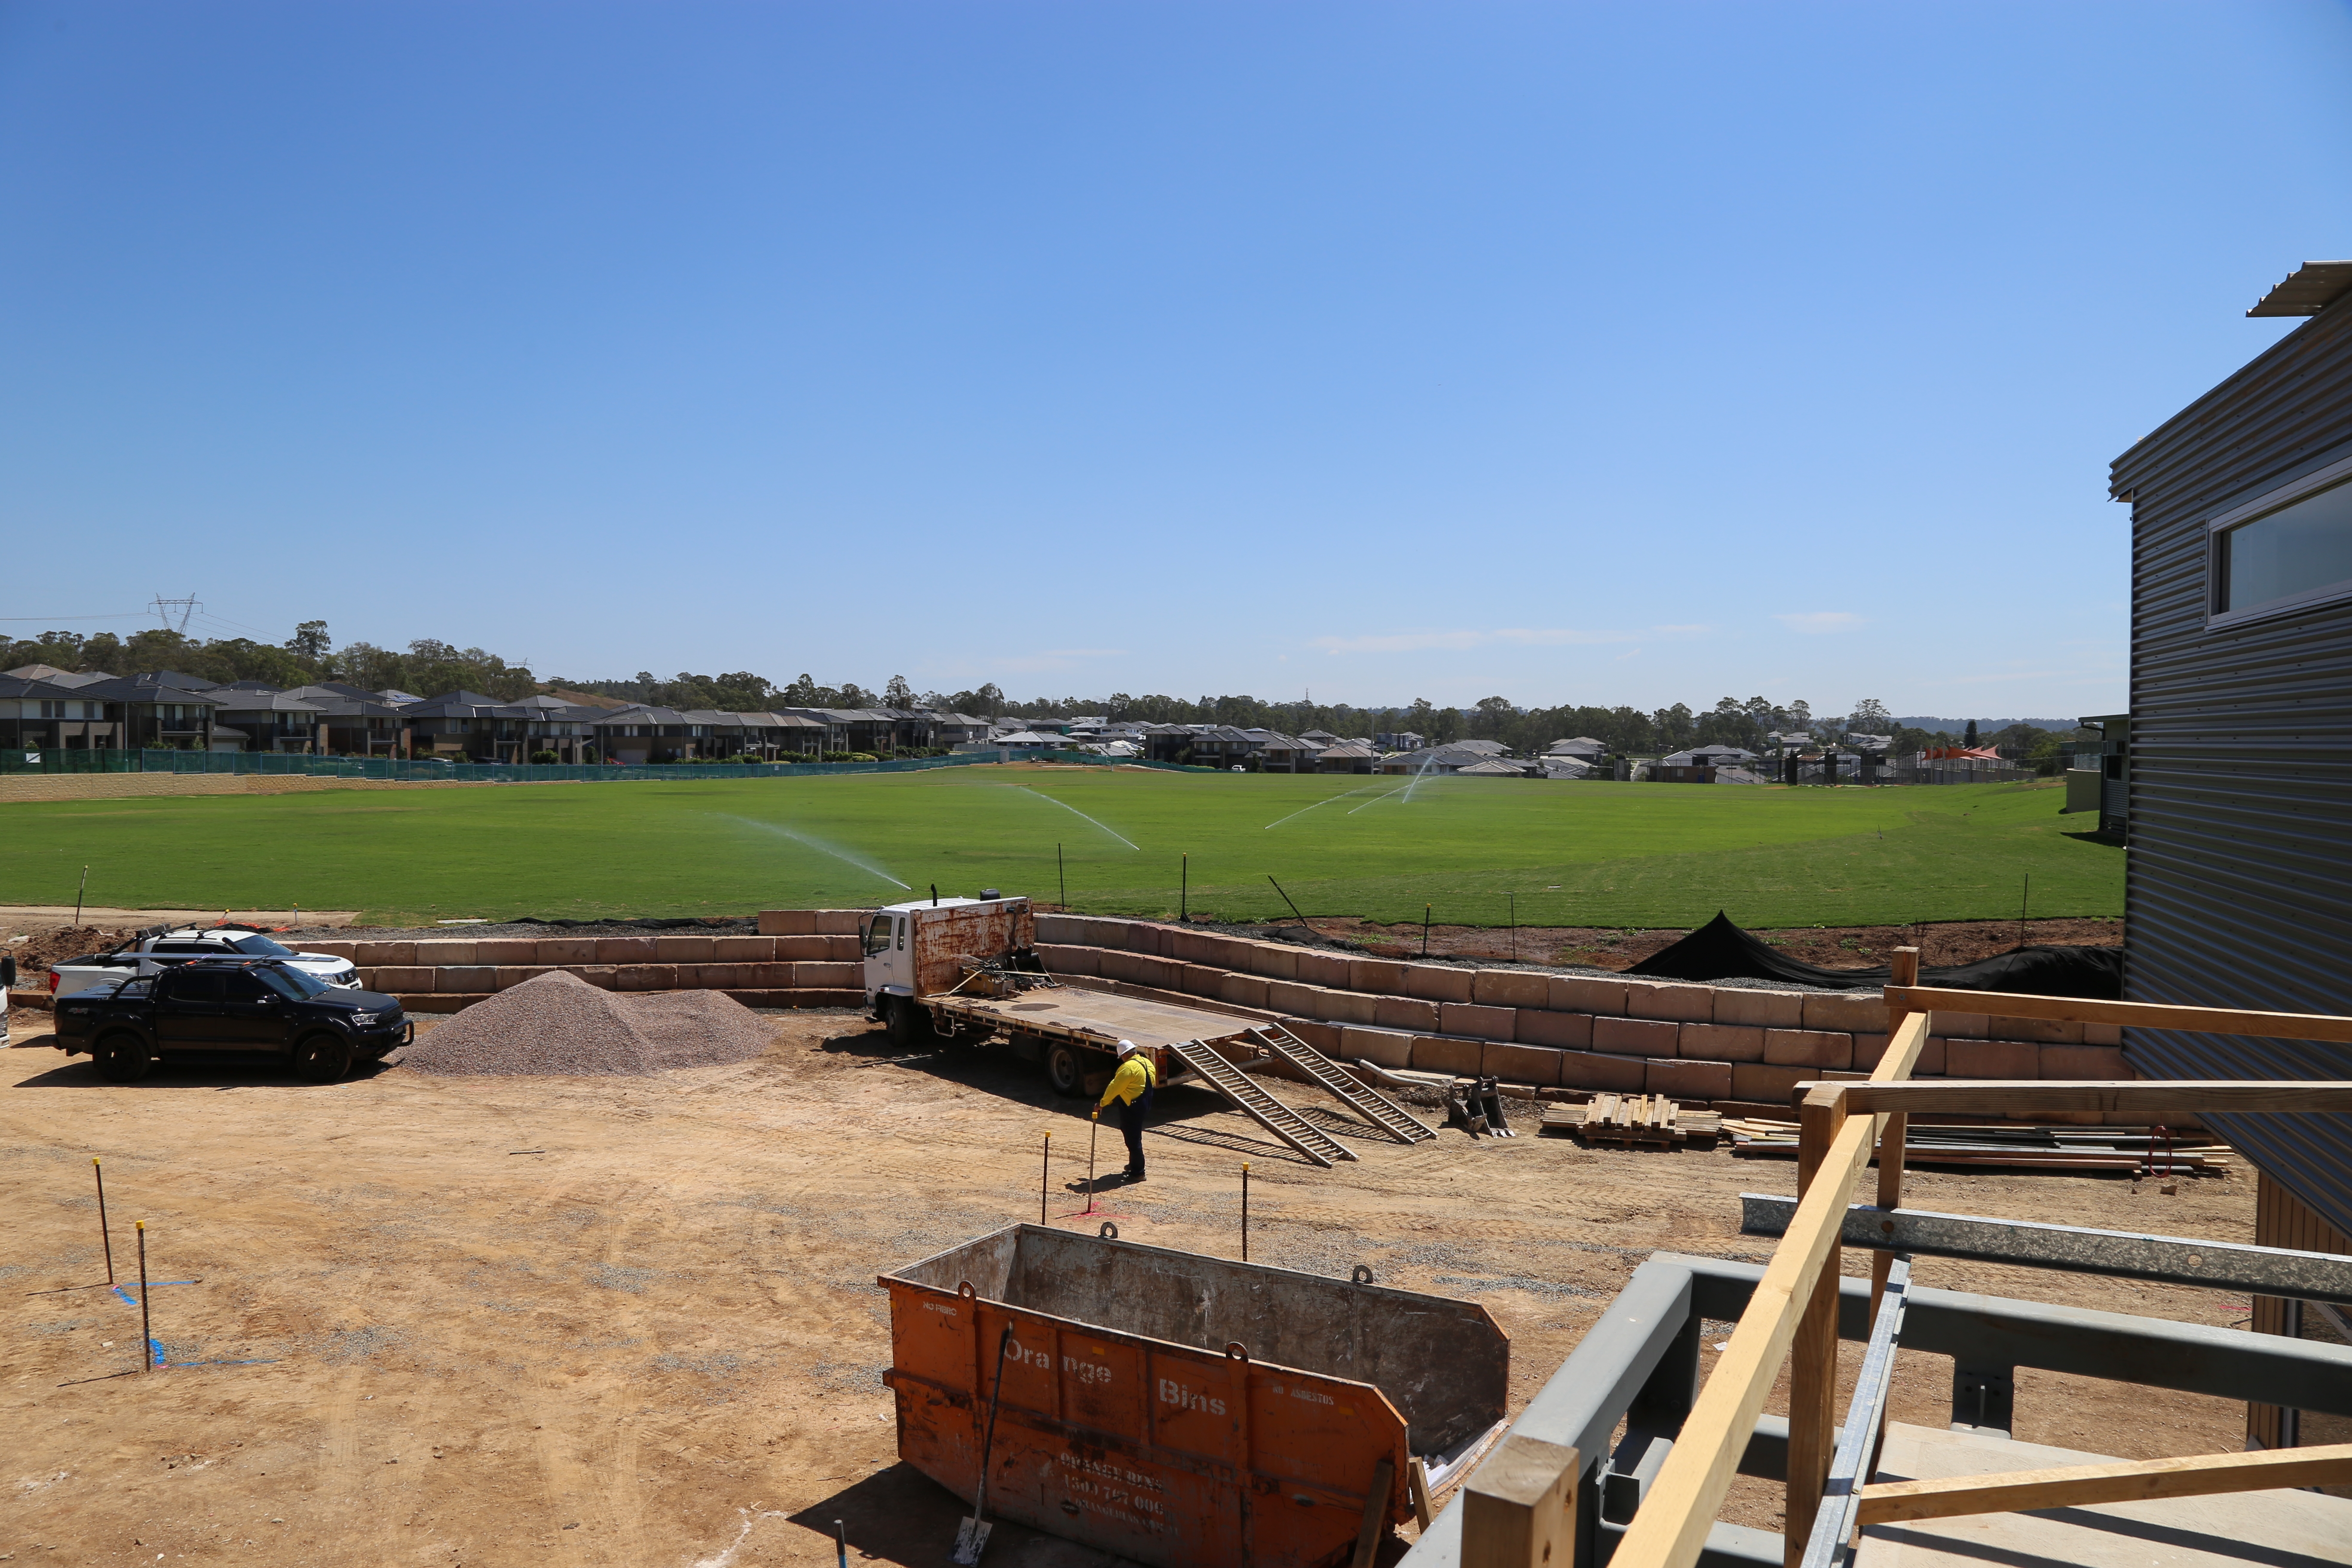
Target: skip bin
[1180,1410]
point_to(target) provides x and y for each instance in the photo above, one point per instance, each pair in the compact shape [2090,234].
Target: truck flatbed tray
[1099,1012]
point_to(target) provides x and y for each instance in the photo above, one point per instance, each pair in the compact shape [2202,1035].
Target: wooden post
[1895,1131]
[1376,1505]
[1812,1362]
[1519,1510]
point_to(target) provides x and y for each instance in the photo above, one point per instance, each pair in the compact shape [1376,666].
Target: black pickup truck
[230,1004]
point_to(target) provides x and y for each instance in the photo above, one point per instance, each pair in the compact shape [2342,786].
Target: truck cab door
[887,959]
[253,1015]
[188,1008]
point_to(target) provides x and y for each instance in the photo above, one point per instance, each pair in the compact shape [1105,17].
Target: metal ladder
[1375,1107]
[1258,1105]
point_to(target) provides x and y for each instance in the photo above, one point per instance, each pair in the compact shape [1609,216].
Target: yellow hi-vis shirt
[1133,1076]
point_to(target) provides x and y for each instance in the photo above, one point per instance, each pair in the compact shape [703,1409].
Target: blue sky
[1623,353]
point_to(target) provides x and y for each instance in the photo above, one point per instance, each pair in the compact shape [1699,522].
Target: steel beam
[1857,1442]
[2163,1259]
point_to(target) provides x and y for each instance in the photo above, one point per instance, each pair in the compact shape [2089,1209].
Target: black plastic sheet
[1722,951]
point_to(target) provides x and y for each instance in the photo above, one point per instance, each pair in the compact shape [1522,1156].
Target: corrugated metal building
[2241,740]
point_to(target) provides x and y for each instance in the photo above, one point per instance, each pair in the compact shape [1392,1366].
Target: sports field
[1572,854]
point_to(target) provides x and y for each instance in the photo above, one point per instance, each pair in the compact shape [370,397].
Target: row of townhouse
[44,708]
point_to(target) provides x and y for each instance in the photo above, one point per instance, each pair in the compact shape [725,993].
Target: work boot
[1134,1176]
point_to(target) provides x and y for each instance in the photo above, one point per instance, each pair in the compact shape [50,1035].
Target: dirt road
[632,1322]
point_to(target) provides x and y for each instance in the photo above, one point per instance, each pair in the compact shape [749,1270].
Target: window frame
[2275,499]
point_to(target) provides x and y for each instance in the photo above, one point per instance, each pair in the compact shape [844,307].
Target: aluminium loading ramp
[1378,1109]
[1258,1105]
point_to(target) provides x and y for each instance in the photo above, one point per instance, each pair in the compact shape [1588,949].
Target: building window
[2285,552]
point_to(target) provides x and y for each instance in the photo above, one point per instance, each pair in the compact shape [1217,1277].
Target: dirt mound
[558,1023]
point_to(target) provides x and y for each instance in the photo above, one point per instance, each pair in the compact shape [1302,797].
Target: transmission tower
[186,607]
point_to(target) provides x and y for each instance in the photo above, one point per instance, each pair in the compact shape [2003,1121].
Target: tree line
[430,667]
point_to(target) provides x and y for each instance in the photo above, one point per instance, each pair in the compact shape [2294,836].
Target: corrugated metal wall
[2282,1221]
[2239,884]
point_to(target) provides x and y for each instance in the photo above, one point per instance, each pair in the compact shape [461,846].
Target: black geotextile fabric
[1721,951]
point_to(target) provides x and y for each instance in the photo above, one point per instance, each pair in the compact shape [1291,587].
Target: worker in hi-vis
[1131,1086]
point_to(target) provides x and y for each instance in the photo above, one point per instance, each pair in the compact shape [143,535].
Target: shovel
[972,1534]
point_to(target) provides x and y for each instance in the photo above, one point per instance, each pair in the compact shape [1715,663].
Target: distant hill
[1984,726]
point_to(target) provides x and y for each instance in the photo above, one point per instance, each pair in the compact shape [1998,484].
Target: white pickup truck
[158,948]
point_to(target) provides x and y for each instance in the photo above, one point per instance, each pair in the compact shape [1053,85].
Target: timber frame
[1685,1443]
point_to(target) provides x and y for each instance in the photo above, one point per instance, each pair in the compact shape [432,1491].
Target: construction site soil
[632,1320]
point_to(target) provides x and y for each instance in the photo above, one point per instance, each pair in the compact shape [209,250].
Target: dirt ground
[632,1322]
[1831,947]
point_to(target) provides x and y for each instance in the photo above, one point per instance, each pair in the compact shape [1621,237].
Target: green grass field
[1574,854]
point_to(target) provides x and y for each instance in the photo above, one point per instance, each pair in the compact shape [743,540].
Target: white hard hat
[1127,1046]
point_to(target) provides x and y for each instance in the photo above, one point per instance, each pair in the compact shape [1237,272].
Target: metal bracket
[1984,1399]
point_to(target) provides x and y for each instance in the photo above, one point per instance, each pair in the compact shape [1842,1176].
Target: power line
[187,606]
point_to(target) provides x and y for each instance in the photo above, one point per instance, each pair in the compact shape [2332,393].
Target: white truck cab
[916,949]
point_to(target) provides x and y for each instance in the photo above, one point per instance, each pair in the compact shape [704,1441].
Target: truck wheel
[1065,1069]
[123,1059]
[323,1058]
[909,1024]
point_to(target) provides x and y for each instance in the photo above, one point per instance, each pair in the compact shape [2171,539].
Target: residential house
[39,715]
[1347,757]
[1450,758]
[1698,765]
[1397,741]
[266,720]
[1493,768]
[358,722]
[162,710]
[1583,747]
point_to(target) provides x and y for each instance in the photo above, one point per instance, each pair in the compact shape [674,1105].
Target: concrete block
[1290,997]
[331,949]
[843,948]
[1542,1026]
[565,950]
[1200,979]
[510,975]
[742,949]
[1722,1042]
[1346,1007]
[1380,977]
[715,976]
[681,949]
[1759,1009]
[1242,989]
[829,977]
[1669,1001]
[1149,938]
[1387,1048]
[600,975]
[1326,969]
[840,922]
[1538,1065]
[2096,1062]
[797,949]
[1510,988]
[1588,1069]
[1325,1038]
[787,922]
[2041,1031]
[1273,961]
[465,980]
[1683,1079]
[1992,1059]
[1438,1053]
[1960,1026]
[1767,1085]
[770,976]
[1410,1013]
[1931,1058]
[625,950]
[1061,958]
[442,954]
[1469,1018]
[1191,946]
[400,953]
[2103,1034]
[1846,1012]
[401,977]
[1439,982]
[1819,1049]
[1576,994]
[506,950]
[1635,1037]
[646,977]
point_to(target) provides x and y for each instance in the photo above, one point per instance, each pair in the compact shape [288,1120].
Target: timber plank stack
[2123,1148]
[1636,1122]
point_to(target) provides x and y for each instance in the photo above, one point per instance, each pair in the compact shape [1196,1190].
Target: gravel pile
[558,1023]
